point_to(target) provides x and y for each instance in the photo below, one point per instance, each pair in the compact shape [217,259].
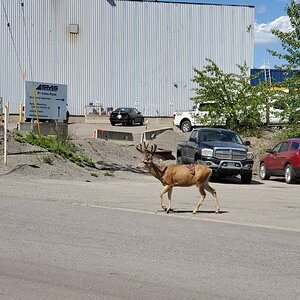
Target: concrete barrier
[112,135]
[46,128]
[151,134]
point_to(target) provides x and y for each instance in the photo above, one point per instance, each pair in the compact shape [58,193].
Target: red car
[282,160]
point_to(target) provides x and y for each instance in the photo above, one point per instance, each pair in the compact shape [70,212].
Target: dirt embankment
[112,159]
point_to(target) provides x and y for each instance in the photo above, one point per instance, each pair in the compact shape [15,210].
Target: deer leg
[169,197]
[164,190]
[203,195]
[214,193]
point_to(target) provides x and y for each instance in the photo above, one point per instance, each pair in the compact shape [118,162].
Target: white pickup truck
[184,120]
[187,120]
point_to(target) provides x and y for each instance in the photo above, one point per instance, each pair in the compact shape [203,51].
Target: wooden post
[6,113]
[21,112]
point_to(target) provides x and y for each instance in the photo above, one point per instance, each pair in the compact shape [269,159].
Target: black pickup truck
[222,150]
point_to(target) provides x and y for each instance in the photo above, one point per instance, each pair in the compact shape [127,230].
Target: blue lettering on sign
[46,87]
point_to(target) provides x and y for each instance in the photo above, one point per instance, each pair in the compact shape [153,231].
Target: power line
[11,36]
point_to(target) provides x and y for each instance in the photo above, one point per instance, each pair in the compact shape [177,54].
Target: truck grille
[230,154]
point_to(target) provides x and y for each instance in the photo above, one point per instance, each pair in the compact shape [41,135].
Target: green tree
[290,42]
[229,98]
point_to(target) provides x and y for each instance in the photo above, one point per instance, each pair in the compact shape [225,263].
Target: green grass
[48,159]
[109,173]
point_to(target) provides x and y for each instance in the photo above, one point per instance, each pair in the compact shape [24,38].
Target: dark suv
[222,150]
[282,160]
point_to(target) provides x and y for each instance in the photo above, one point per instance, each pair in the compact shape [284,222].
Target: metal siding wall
[139,54]
[276,75]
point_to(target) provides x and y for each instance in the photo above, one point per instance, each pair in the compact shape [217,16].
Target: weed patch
[59,145]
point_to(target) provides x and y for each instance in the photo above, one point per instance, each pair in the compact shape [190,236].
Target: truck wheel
[246,177]
[289,174]
[179,160]
[186,126]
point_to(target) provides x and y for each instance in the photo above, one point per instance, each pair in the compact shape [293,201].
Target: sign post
[36,111]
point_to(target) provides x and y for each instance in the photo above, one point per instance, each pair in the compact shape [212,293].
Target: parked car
[282,160]
[126,116]
[222,150]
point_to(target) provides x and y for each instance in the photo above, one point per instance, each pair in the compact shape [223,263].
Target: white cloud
[262,32]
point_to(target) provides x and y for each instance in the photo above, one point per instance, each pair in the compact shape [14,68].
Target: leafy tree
[229,98]
[290,42]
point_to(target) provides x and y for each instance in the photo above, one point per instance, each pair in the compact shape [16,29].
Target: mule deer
[178,175]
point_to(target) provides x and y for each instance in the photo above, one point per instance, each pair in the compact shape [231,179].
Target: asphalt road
[110,240]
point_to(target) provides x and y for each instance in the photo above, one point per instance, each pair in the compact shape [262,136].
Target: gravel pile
[112,159]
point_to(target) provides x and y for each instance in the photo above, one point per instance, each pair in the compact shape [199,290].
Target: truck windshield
[224,136]
[202,106]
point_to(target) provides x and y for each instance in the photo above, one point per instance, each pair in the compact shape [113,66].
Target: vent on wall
[74,28]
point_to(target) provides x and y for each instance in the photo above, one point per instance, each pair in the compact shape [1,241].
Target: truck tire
[186,126]
[179,160]
[246,177]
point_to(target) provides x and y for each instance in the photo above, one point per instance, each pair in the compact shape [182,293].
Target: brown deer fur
[178,175]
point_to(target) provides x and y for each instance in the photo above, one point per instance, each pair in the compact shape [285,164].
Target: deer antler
[153,149]
[144,148]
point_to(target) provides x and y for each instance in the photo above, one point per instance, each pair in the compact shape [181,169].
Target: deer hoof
[169,209]
[194,211]
[217,211]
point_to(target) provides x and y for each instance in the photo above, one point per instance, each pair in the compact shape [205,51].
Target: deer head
[148,154]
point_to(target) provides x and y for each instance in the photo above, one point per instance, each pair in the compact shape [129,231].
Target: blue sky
[268,14]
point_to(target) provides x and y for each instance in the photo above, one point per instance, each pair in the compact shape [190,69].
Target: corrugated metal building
[272,75]
[118,52]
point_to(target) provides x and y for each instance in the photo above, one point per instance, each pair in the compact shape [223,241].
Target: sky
[268,15]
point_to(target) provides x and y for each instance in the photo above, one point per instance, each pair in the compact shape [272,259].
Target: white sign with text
[51,99]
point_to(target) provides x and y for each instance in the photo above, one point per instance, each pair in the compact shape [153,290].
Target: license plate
[119,116]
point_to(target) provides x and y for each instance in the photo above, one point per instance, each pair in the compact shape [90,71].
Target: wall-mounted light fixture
[74,28]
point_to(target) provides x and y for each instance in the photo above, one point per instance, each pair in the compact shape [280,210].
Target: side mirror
[247,143]
[269,151]
[193,139]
